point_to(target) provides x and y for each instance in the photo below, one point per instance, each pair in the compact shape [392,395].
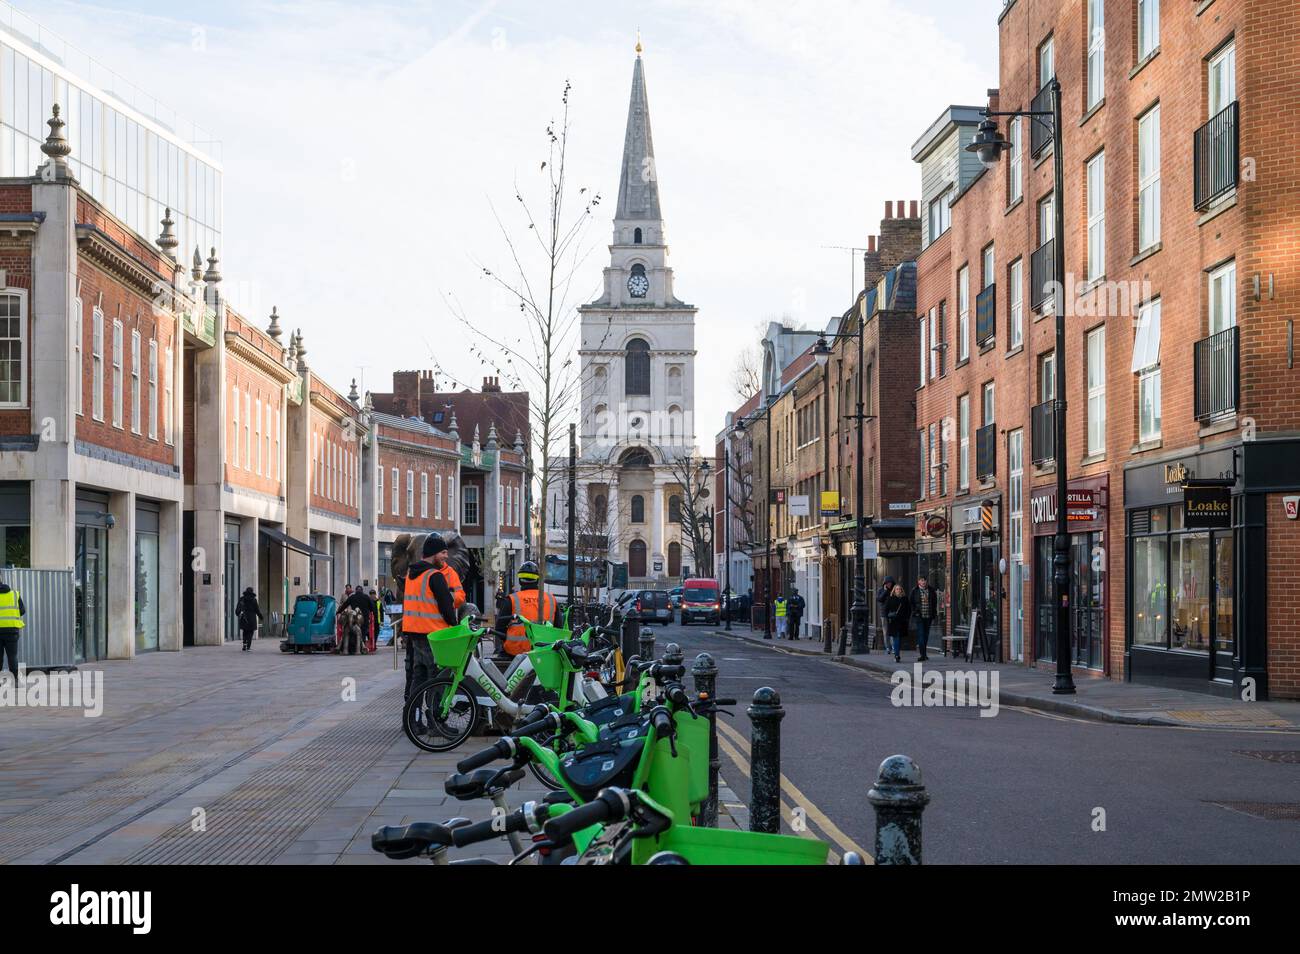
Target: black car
[648,606]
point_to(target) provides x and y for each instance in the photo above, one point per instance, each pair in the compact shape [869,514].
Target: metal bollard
[705,672]
[765,715]
[899,798]
[844,640]
[646,644]
[673,655]
[630,638]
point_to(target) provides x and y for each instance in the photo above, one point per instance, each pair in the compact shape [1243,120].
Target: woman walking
[897,610]
[249,615]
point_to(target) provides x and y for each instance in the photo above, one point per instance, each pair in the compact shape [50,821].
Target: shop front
[932,532]
[976,581]
[1196,542]
[90,575]
[147,579]
[1087,512]
[807,562]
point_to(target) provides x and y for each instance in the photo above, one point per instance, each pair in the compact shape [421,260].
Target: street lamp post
[860,610]
[989,146]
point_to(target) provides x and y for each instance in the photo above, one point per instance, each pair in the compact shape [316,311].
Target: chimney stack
[889,210]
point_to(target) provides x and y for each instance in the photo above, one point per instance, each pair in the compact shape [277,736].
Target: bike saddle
[484,782]
[557,798]
[411,841]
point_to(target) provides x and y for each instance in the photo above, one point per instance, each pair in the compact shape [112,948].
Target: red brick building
[1180,195]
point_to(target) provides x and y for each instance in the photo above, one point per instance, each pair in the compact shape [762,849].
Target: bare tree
[693,478]
[544,259]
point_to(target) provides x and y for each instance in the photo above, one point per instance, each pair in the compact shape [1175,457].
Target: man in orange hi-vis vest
[431,599]
[531,604]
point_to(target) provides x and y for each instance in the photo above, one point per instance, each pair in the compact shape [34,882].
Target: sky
[365,147]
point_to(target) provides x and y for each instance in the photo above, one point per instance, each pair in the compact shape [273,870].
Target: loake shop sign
[1207,507]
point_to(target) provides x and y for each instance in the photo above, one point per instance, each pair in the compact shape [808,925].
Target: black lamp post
[989,146]
[861,609]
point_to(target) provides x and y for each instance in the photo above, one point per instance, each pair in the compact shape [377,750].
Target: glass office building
[132,154]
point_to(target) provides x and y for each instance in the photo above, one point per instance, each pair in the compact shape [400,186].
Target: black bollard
[899,798]
[765,715]
[844,640]
[646,644]
[630,638]
[673,655]
[705,672]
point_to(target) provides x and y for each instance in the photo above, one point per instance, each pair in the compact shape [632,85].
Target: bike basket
[451,646]
[551,666]
[727,846]
[543,634]
[601,765]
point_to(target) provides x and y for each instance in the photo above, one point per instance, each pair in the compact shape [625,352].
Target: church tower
[637,363]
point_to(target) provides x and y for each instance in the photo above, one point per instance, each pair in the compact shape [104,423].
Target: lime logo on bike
[489,687]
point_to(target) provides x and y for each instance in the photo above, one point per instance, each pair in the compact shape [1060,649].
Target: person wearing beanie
[431,602]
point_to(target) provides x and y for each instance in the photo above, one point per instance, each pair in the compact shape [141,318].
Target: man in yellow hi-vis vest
[12,612]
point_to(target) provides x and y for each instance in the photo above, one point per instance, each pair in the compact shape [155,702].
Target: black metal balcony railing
[986,452]
[1216,369]
[1040,134]
[1215,157]
[1043,433]
[1042,274]
[986,316]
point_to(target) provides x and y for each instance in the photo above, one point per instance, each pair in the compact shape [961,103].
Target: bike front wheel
[424,723]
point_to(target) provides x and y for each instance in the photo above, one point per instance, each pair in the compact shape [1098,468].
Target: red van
[701,600]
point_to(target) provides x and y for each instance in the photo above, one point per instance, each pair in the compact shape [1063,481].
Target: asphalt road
[1020,787]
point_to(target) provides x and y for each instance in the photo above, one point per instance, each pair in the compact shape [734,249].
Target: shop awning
[284,539]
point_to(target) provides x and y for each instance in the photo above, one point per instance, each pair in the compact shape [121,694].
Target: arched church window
[638,509]
[674,559]
[636,239]
[600,511]
[675,380]
[674,509]
[636,563]
[637,368]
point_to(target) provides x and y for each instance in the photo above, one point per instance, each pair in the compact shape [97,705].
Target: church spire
[638,188]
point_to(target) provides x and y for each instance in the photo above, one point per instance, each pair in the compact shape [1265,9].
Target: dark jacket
[248,613]
[934,603]
[795,605]
[896,610]
[360,600]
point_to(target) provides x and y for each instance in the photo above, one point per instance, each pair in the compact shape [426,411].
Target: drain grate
[1269,811]
[1284,756]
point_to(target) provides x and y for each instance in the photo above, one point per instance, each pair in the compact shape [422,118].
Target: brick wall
[1283,602]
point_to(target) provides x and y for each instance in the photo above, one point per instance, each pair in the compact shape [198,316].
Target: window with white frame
[451,498]
[1146,365]
[13,349]
[932,440]
[234,440]
[117,374]
[277,443]
[935,350]
[424,494]
[925,474]
[266,435]
[1015,172]
[257,436]
[97,365]
[248,430]
[135,382]
[1223,79]
[1097,216]
[1096,52]
[80,358]
[1046,62]
[1223,298]
[1016,302]
[924,349]
[379,487]
[437,497]
[469,494]
[1148,17]
[153,390]
[989,407]
[943,460]
[963,446]
[397,492]
[940,215]
[1016,492]
[1149,179]
[987,261]
[410,493]
[169,395]
[1096,352]
[963,313]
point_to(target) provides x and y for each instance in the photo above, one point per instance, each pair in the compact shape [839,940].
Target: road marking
[737,746]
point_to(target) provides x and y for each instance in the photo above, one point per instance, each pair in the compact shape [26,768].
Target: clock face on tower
[637,283]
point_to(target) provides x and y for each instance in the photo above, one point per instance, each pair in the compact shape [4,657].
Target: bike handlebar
[489,829]
[610,805]
[499,750]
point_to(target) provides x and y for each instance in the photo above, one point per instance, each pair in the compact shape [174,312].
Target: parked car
[701,600]
[675,595]
[649,606]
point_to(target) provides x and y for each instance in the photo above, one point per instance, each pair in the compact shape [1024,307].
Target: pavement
[1096,697]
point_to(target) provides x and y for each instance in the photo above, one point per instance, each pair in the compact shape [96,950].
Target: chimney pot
[889,210]
[916,209]
[871,243]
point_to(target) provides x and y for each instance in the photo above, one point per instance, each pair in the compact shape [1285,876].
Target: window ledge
[1042,156]
[1222,425]
[1220,206]
[988,346]
[1142,63]
[1092,112]
[1143,446]
[1146,253]
[1014,351]
[1090,285]
[1042,470]
[1092,459]
[961,364]
[1015,205]
[1205,5]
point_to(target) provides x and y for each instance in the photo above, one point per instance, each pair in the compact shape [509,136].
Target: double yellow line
[736,746]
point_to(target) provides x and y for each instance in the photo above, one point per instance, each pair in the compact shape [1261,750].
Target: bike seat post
[503,810]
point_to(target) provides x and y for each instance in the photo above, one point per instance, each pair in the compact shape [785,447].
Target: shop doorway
[231,580]
[1088,599]
[90,580]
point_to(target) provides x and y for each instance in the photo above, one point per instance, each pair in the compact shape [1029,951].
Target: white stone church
[637,359]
